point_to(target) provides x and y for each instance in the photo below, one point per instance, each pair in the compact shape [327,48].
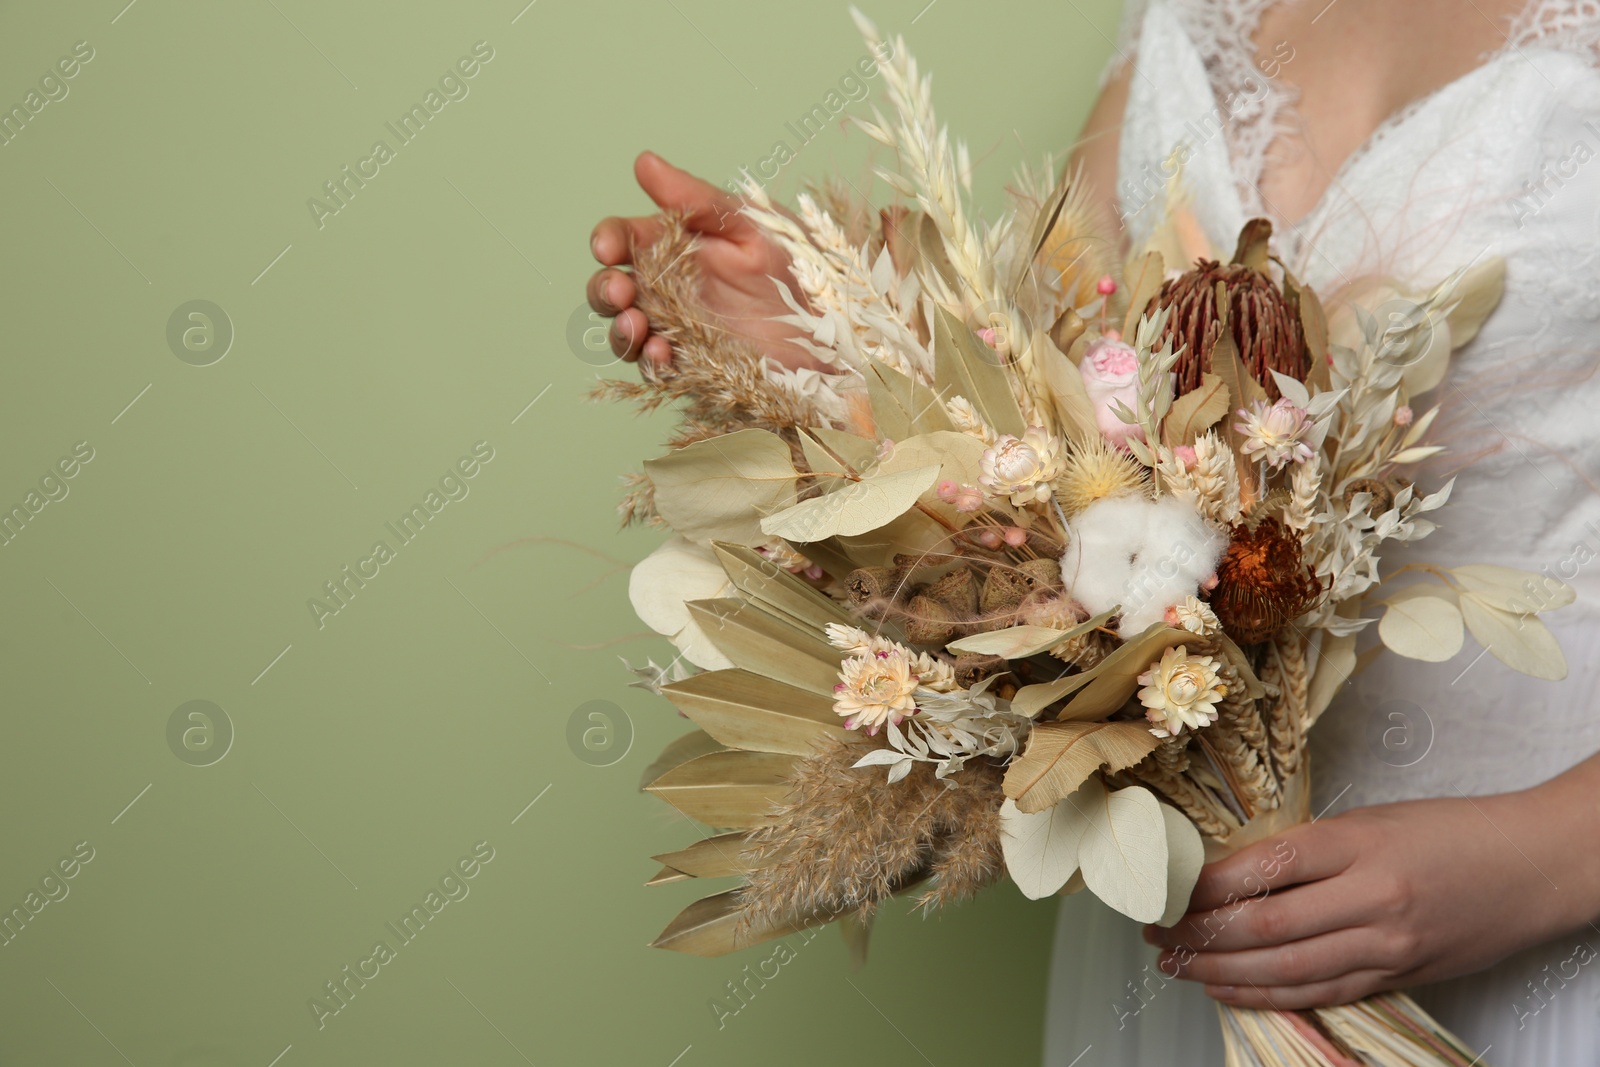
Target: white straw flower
[854,640]
[875,688]
[883,679]
[1180,691]
[1022,468]
[1277,432]
[1194,615]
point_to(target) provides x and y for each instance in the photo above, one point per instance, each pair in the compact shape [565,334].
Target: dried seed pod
[1004,589]
[868,585]
[1382,495]
[973,667]
[1263,320]
[928,622]
[1045,573]
[957,591]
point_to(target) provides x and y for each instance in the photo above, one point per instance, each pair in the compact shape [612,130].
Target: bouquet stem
[1387,1030]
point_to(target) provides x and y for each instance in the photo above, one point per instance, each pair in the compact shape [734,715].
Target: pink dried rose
[1186,456]
[1111,375]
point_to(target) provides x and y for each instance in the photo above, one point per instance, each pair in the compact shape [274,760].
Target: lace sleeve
[1561,25]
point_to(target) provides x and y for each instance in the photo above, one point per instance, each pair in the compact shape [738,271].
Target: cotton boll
[1144,555]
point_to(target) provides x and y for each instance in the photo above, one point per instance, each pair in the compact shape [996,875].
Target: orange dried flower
[1262,582]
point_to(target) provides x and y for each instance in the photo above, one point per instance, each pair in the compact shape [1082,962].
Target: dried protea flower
[1263,320]
[1262,582]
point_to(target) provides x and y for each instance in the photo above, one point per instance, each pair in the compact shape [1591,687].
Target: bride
[1456,851]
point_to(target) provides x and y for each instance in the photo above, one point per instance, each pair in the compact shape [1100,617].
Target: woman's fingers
[1274,919]
[1302,854]
[614,238]
[628,333]
[611,291]
[657,350]
[706,208]
[1322,958]
[1341,990]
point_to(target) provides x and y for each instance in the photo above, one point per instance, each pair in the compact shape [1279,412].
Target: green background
[370,754]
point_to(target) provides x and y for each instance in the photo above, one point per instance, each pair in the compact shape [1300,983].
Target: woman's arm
[1098,144]
[1396,895]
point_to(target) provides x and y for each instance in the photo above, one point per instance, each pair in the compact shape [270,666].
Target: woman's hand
[736,261]
[1391,896]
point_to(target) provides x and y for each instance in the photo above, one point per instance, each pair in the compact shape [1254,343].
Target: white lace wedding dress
[1502,161]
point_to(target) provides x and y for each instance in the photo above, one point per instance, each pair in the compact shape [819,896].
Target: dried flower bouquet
[1047,575]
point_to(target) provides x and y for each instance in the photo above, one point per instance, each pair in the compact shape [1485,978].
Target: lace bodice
[1503,161]
[1498,162]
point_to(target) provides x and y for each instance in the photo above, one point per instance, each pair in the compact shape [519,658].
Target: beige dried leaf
[901,406]
[730,789]
[1195,411]
[857,508]
[1070,397]
[972,369]
[1115,679]
[1522,642]
[1123,853]
[751,637]
[719,488]
[1141,281]
[678,752]
[711,927]
[1041,848]
[714,857]
[1422,622]
[746,711]
[776,590]
[1186,854]
[1061,755]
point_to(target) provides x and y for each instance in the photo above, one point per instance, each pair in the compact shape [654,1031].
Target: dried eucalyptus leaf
[1519,592]
[1041,849]
[1186,854]
[1423,622]
[719,488]
[1522,642]
[855,509]
[1123,852]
